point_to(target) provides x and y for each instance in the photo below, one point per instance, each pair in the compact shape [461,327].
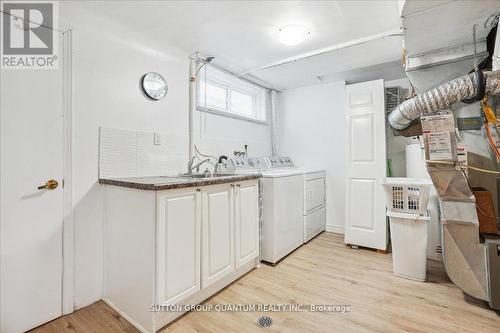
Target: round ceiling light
[293,34]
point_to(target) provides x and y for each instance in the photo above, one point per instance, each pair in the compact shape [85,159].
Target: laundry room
[243,166]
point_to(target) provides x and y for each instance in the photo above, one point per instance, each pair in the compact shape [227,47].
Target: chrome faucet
[191,167]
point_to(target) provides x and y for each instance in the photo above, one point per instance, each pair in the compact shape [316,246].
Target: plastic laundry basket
[409,245]
[407,195]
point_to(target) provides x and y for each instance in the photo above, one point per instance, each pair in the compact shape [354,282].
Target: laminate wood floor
[324,271]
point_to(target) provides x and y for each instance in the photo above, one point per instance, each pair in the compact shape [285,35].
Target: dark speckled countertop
[173,182]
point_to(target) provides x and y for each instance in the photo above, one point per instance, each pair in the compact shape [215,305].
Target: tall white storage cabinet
[175,247]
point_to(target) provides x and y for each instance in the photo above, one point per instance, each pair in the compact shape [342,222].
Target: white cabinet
[218,233]
[179,228]
[174,247]
[246,221]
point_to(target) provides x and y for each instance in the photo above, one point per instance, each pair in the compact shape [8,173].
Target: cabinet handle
[238,185]
[198,190]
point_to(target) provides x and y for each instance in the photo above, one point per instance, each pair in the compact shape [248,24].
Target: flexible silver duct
[444,95]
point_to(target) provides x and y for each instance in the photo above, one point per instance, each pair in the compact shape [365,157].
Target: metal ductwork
[474,85]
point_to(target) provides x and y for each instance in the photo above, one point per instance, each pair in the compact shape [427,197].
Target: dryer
[314,203]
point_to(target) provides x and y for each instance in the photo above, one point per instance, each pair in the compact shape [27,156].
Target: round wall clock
[154,86]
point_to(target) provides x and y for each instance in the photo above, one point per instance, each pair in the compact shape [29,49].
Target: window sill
[232,115]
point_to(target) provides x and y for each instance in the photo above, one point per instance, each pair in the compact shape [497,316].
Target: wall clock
[154,86]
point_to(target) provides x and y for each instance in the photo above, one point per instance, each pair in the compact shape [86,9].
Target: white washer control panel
[248,163]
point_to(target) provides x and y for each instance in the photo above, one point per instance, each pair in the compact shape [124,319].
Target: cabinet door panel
[246,223]
[179,229]
[218,240]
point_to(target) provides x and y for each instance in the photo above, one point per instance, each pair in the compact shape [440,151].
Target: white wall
[107,69]
[311,130]
[109,60]
[215,135]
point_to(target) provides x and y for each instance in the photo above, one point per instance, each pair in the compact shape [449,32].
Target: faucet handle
[207,173]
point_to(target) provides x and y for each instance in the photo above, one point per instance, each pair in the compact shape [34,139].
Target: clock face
[154,86]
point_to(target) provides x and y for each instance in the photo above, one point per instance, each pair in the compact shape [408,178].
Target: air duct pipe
[472,86]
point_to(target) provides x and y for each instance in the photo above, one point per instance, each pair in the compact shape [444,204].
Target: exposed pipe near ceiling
[324,50]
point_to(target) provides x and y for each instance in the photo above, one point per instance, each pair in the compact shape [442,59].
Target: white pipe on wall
[274,122]
[391,33]
[192,102]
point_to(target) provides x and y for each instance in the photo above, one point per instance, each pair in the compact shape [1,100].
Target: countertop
[160,183]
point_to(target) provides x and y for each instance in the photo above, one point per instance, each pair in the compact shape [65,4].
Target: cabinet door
[217,233]
[246,221]
[179,241]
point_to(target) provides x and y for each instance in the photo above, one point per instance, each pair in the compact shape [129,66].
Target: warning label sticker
[439,145]
[439,137]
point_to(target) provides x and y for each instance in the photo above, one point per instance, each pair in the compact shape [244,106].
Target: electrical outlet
[157,139]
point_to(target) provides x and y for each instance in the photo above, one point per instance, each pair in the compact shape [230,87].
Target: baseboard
[338,229]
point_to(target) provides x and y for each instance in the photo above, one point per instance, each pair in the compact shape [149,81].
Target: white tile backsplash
[130,153]
[117,153]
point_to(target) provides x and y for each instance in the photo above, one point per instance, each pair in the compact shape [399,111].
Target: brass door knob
[49,185]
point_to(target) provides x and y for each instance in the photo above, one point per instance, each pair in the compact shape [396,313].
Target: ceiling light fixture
[293,34]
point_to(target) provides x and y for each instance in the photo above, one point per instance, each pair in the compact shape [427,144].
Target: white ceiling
[378,59]
[242,34]
[449,22]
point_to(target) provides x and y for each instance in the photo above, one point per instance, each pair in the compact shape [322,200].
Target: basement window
[224,94]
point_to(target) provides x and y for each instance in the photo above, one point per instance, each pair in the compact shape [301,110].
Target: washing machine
[282,187]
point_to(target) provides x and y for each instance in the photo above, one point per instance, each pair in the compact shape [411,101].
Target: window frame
[237,85]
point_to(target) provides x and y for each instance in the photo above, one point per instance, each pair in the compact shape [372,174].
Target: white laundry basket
[407,195]
[409,245]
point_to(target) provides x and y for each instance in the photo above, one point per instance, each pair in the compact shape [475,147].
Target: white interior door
[366,165]
[31,147]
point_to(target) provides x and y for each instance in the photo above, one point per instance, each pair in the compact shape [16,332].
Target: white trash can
[409,245]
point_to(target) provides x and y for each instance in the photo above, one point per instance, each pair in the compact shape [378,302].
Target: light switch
[157,139]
